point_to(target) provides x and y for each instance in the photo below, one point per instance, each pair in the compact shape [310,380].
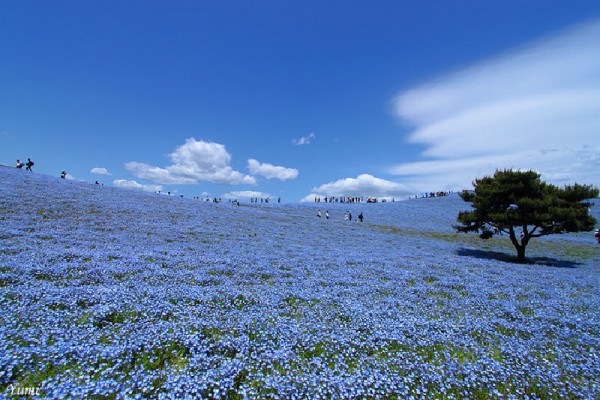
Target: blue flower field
[113,293]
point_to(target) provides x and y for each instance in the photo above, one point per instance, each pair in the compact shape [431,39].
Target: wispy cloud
[100,171]
[304,139]
[534,108]
[364,185]
[192,162]
[129,184]
[271,171]
[245,194]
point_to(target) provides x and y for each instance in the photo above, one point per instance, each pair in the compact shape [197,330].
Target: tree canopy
[520,199]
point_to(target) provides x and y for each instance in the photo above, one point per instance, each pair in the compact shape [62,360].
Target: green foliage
[520,199]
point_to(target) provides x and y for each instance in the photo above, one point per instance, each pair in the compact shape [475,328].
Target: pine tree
[520,199]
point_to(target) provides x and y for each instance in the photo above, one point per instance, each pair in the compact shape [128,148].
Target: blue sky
[295,99]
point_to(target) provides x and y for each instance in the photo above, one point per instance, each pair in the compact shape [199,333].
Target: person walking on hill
[319,213]
[29,164]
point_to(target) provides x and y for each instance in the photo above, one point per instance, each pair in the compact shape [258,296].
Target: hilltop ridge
[433,214]
[408,212]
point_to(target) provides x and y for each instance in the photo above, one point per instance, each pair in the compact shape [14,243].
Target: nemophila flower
[139,295]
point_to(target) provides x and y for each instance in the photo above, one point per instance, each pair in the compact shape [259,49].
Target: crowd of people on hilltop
[236,202]
[360,199]
[263,200]
[208,199]
[431,194]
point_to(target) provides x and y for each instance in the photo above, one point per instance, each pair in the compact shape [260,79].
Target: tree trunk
[519,245]
[521,254]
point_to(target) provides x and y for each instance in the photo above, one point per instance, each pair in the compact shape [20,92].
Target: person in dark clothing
[19,164]
[29,164]
[360,217]
[63,174]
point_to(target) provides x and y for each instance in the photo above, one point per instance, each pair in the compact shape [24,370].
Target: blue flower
[107,291]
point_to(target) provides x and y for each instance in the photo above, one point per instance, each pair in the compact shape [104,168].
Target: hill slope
[119,292]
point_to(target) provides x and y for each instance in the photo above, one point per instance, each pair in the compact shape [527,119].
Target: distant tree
[519,199]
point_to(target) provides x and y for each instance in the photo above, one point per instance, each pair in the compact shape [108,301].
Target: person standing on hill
[19,164]
[319,213]
[29,164]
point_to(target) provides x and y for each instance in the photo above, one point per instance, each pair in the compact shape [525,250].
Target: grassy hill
[116,293]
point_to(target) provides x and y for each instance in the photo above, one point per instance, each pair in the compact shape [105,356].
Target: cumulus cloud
[100,171]
[534,108]
[122,183]
[193,162]
[364,185]
[271,171]
[245,194]
[304,139]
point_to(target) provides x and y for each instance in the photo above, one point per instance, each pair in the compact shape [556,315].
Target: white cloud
[193,162]
[100,171]
[245,194]
[122,183]
[304,139]
[157,174]
[364,185]
[535,108]
[271,171]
